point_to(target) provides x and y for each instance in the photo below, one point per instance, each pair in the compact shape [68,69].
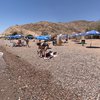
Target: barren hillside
[44,27]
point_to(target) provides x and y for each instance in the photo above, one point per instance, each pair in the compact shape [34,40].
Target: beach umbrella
[92,33]
[82,34]
[43,37]
[74,35]
[18,36]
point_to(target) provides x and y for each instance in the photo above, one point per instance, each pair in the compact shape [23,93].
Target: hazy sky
[14,12]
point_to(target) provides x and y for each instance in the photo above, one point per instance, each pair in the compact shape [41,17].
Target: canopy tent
[43,37]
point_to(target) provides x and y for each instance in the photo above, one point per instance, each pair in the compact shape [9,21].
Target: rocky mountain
[45,27]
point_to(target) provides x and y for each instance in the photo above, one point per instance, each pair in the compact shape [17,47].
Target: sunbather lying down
[50,55]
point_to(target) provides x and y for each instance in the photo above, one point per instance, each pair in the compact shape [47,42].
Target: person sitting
[19,43]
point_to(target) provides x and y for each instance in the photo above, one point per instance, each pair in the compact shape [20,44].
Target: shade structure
[92,32]
[43,37]
[82,34]
[73,35]
[18,36]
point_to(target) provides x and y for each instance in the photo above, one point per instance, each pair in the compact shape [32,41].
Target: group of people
[42,50]
[21,42]
[43,47]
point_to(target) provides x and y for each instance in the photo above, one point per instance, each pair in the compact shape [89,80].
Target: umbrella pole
[91,41]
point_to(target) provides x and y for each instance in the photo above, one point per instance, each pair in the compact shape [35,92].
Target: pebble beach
[73,75]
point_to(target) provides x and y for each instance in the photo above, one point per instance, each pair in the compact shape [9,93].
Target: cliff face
[52,28]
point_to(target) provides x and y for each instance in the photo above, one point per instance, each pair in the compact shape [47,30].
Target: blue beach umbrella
[74,35]
[43,37]
[82,34]
[92,33]
[18,36]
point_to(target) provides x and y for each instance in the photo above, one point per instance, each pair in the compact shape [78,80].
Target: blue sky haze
[19,12]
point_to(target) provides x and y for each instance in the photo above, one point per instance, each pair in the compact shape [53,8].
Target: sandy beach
[73,75]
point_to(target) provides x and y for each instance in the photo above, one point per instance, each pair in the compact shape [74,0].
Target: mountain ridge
[45,27]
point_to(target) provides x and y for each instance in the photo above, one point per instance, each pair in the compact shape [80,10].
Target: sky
[19,12]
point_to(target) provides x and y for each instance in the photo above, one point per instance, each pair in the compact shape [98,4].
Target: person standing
[27,42]
[44,47]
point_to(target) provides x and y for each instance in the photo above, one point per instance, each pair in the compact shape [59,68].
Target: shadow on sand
[92,47]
